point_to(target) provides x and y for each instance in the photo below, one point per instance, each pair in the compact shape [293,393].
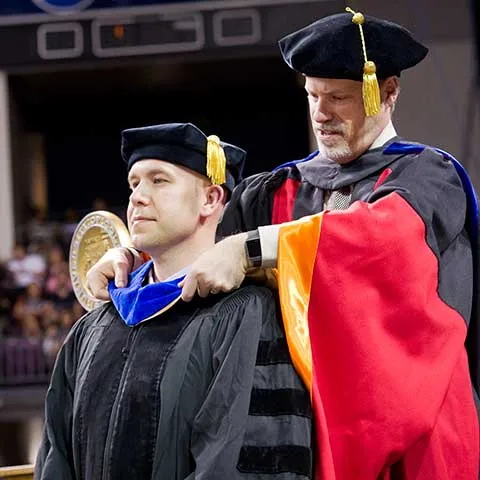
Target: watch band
[253,248]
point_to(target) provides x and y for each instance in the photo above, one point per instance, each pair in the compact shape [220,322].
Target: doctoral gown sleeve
[383,290]
[55,455]
[251,203]
[231,436]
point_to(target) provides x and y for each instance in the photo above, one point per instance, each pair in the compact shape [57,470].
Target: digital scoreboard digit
[148,35]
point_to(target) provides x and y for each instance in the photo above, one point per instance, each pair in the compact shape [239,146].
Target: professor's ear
[390,90]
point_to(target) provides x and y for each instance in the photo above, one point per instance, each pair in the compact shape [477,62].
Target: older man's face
[341,128]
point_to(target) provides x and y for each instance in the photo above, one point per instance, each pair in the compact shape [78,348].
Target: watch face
[62,6]
[254,248]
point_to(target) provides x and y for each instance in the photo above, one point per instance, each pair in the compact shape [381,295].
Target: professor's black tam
[332,48]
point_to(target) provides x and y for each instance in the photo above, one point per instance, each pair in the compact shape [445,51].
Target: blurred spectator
[31,302]
[66,321]
[50,314]
[31,327]
[63,295]
[37,303]
[77,310]
[5,299]
[25,268]
[99,204]
[57,265]
[39,230]
[52,342]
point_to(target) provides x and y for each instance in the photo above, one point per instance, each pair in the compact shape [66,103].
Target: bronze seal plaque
[96,233]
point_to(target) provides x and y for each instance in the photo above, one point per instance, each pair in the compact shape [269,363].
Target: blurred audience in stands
[37,303]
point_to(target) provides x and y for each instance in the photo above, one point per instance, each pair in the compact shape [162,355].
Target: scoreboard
[19,8]
[40,32]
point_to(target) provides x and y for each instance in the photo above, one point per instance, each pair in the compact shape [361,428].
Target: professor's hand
[220,269]
[116,263]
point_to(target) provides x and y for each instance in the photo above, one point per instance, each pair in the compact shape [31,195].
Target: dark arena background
[73,74]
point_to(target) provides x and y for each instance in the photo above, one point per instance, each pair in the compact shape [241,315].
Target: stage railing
[23,362]
[18,472]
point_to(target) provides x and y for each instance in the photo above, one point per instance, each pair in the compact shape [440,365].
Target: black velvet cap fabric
[182,144]
[332,48]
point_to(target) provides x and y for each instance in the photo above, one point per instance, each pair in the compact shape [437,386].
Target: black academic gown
[206,390]
[427,180]
[397,338]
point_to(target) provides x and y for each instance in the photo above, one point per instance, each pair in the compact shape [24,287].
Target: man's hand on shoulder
[219,269]
[116,263]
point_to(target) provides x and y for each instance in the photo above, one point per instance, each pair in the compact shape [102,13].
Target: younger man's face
[164,205]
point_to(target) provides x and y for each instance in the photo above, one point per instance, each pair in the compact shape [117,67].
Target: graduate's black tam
[186,145]
[332,48]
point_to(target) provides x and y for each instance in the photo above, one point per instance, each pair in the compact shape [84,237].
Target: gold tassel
[216,161]
[370,89]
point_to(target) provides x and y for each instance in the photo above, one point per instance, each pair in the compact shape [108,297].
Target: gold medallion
[96,233]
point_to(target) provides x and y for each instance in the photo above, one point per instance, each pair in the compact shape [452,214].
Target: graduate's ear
[213,200]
